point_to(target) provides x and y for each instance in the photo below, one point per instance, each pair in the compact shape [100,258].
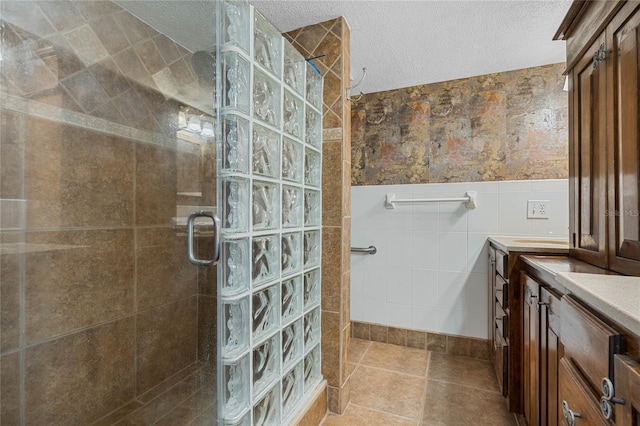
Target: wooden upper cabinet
[603,63]
[623,126]
[587,172]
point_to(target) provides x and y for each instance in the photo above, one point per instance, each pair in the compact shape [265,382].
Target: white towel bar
[470,199]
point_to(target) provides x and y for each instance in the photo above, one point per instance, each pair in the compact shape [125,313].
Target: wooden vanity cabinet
[603,57]
[627,388]
[542,351]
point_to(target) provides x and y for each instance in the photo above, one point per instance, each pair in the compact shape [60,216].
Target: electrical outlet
[538,209]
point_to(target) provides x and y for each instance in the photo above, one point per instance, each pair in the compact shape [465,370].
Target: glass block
[267,411]
[292,114]
[265,311]
[242,421]
[236,327]
[236,388]
[311,368]
[294,67]
[291,344]
[236,25]
[235,149]
[311,252]
[312,167]
[292,160]
[266,98]
[292,388]
[313,128]
[265,205]
[314,88]
[266,364]
[311,328]
[291,247]
[311,294]
[266,258]
[235,198]
[234,259]
[236,87]
[312,203]
[291,296]
[291,206]
[266,152]
[267,45]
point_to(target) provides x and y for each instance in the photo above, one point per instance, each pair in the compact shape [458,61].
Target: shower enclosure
[127,127]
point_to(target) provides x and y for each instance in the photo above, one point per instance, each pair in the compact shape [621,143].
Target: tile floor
[395,385]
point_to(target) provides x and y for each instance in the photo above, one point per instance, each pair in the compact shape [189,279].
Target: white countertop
[616,296]
[531,244]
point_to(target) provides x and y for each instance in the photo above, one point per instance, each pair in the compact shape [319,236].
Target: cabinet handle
[532,298]
[569,415]
[541,304]
[607,400]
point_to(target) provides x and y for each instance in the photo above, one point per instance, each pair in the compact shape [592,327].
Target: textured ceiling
[406,43]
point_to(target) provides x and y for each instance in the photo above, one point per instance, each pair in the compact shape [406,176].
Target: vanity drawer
[502,291]
[502,321]
[588,341]
[502,264]
[500,353]
[574,395]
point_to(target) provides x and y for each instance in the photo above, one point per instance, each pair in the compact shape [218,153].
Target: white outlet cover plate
[538,209]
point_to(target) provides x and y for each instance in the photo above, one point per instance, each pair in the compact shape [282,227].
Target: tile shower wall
[430,271]
[99,304]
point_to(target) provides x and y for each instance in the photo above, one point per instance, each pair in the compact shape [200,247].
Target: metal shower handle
[216,238]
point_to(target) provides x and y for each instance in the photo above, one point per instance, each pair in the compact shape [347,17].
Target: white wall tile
[484,218]
[477,293]
[452,322]
[512,213]
[452,290]
[452,255]
[424,250]
[430,272]
[400,249]
[476,326]
[398,315]
[375,284]
[477,253]
[399,285]
[424,318]
[375,312]
[357,310]
[424,288]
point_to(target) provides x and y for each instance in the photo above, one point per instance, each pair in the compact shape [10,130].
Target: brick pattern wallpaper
[504,126]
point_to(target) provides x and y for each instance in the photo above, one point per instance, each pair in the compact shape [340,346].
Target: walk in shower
[121,124]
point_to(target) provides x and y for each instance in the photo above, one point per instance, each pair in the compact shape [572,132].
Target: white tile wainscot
[430,271]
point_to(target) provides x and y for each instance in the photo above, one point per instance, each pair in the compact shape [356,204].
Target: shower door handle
[216,238]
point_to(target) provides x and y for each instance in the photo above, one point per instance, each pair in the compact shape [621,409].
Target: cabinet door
[627,387]
[550,354]
[587,172]
[623,68]
[531,354]
[576,399]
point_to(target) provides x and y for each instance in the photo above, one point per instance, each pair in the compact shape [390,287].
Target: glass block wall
[269,172]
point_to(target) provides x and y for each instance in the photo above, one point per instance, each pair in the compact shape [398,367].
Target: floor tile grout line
[394,371]
[380,411]
[466,386]
[424,391]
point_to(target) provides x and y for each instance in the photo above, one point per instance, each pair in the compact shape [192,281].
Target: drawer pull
[541,304]
[608,399]
[569,415]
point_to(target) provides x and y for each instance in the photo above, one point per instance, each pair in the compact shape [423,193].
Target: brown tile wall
[503,126]
[331,38]
[434,342]
[98,303]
